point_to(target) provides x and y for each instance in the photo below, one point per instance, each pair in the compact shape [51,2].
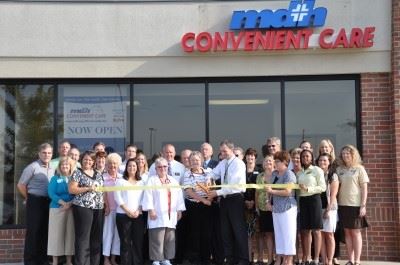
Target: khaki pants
[161,243]
[61,232]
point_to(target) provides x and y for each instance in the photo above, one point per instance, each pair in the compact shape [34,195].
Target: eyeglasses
[270,146]
[161,167]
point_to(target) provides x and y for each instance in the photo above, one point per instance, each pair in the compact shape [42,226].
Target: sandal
[349,263]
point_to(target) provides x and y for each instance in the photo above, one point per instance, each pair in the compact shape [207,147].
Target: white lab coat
[157,199]
[177,168]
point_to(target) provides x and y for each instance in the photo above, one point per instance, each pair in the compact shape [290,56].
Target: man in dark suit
[207,152]
[217,250]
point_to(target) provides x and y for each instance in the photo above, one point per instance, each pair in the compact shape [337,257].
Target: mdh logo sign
[300,14]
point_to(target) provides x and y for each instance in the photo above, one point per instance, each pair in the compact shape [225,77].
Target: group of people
[92,204]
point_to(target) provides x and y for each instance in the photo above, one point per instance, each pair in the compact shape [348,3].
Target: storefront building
[185,72]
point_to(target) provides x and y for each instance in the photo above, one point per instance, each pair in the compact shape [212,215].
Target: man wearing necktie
[175,168]
[232,170]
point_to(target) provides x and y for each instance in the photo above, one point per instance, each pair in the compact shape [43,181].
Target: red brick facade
[395,94]
[11,245]
[381,239]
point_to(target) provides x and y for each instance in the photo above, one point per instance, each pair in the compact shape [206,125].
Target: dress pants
[131,234]
[200,229]
[182,239]
[37,223]
[217,249]
[234,229]
[111,244]
[161,243]
[88,235]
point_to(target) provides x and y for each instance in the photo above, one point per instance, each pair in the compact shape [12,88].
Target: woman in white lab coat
[164,208]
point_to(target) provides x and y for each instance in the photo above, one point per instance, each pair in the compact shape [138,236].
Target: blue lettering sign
[301,13]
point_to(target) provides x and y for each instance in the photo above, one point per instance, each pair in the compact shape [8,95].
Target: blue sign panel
[300,14]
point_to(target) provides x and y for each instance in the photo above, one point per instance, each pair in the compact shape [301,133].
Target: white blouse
[132,199]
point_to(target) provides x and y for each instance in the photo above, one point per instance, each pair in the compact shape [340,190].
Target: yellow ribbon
[168,186]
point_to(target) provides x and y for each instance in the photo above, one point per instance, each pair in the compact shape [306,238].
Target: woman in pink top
[111,244]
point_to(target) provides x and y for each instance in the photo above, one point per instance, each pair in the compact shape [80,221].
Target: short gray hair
[160,161]
[45,146]
[228,144]
[238,148]
[197,154]
[274,140]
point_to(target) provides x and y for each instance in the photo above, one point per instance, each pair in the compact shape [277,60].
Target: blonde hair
[71,163]
[268,156]
[114,157]
[328,142]
[197,154]
[146,165]
[355,155]
[295,151]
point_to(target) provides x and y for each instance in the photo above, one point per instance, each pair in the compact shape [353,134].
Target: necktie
[226,172]
[205,165]
[169,169]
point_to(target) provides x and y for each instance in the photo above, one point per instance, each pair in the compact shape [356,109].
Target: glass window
[94,113]
[320,109]
[245,113]
[169,113]
[26,121]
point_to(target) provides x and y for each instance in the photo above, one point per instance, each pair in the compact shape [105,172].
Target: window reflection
[94,113]
[320,109]
[26,113]
[246,113]
[169,113]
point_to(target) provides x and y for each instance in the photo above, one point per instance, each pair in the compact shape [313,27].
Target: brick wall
[395,94]
[11,245]
[381,240]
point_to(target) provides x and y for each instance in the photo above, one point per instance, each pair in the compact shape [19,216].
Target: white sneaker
[156,262]
[165,262]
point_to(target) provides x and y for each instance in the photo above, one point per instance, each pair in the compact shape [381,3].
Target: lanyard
[166,182]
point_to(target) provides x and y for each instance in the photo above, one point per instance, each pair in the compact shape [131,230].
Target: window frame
[204,80]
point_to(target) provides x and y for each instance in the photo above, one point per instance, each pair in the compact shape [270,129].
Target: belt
[38,196]
[233,195]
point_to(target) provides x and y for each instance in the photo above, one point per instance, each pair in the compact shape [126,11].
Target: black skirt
[311,212]
[349,217]
[266,222]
